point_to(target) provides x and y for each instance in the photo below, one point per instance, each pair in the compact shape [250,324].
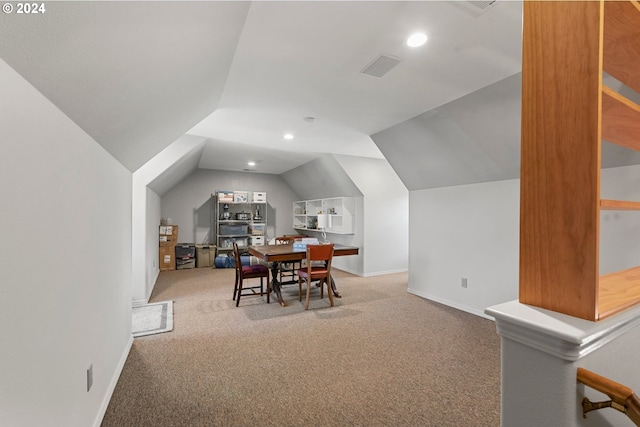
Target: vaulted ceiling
[137,76]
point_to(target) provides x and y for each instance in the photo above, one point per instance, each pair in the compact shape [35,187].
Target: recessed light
[288,136]
[251,163]
[417,39]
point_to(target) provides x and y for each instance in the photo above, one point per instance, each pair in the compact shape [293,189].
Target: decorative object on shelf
[342,209]
[226,214]
[243,216]
[324,222]
[257,216]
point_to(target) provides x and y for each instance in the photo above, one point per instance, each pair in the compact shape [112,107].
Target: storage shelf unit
[341,209]
[566,113]
[246,220]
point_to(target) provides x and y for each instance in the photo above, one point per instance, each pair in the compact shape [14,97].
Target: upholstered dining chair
[287,270]
[245,272]
[314,272]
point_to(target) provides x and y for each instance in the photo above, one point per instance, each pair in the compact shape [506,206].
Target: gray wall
[65,296]
[188,204]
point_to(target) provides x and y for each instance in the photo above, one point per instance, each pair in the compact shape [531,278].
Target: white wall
[384,215]
[65,294]
[188,204]
[171,164]
[469,231]
[472,231]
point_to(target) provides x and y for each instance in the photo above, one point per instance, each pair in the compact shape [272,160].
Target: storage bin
[185,250]
[240,197]
[257,240]
[233,229]
[225,196]
[227,242]
[184,263]
[259,197]
[257,229]
[205,255]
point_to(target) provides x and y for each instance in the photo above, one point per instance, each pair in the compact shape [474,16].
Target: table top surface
[286,252]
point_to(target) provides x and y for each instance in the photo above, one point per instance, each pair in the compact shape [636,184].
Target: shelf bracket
[588,406]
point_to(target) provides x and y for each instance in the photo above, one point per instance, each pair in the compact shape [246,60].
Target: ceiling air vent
[381,66]
[476,7]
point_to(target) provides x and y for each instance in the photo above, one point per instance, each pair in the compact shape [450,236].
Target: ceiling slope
[321,178]
[473,139]
[134,75]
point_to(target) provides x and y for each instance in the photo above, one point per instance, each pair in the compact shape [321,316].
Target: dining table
[276,254]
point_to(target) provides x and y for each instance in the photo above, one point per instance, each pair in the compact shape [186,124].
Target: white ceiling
[300,59]
[138,75]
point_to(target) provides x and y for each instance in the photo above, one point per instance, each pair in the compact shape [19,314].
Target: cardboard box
[168,235]
[167,258]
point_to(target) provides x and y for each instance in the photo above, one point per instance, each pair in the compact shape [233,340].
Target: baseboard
[348,270]
[113,383]
[148,296]
[380,273]
[455,305]
[376,273]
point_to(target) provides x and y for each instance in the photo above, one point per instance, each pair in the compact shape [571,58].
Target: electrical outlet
[463,283]
[89,377]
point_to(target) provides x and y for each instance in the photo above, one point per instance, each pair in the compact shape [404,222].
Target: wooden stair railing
[622,398]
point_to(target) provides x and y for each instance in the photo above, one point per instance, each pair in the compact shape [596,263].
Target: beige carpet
[380,357]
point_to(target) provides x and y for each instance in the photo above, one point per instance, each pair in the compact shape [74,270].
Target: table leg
[275,285]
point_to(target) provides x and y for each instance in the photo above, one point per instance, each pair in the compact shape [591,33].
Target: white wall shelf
[341,209]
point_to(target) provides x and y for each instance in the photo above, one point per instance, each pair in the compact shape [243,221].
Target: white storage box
[257,240]
[240,197]
[225,196]
[259,197]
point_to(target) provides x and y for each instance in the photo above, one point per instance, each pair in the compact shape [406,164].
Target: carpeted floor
[380,357]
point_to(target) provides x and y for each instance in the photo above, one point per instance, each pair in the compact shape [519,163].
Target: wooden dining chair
[287,270]
[245,272]
[314,272]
